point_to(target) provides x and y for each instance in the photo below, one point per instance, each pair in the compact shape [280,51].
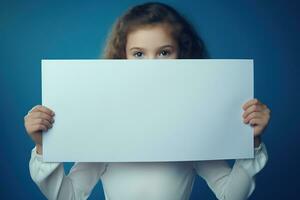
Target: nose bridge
[150,53]
[151,56]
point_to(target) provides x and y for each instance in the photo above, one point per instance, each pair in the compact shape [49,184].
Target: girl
[149,31]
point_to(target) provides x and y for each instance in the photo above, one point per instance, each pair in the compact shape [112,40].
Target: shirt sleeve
[234,183]
[54,184]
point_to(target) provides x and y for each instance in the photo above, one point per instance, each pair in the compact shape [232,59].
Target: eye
[164,53]
[138,54]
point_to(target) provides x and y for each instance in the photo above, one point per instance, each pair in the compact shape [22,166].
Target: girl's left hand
[257,114]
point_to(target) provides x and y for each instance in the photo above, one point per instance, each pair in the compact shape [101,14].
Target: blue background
[267,31]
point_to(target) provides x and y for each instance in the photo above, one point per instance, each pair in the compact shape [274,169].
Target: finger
[253,115]
[37,127]
[250,103]
[40,121]
[255,121]
[36,115]
[267,110]
[253,108]
[43,109]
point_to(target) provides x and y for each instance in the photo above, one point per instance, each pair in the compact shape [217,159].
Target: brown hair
[153,13]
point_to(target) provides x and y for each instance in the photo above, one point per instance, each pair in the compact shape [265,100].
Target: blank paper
[147,110]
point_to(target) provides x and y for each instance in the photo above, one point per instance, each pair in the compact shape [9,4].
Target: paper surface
[147,110]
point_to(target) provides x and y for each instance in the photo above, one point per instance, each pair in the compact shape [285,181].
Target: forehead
[150,36]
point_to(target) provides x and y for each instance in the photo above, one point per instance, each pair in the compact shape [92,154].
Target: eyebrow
[161,47]
[136,48]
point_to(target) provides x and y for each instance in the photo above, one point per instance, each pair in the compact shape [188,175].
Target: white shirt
[147,181]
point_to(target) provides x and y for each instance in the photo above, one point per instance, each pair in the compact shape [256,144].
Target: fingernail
[52,113]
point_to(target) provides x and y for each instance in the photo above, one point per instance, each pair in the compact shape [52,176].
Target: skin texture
[148,42]
[151,42]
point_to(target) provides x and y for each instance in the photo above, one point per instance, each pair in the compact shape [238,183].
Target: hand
[257,115]
[38,119]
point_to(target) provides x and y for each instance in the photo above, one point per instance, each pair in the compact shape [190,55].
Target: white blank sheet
[147,110]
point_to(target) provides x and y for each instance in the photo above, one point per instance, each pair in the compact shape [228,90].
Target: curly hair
[153,13]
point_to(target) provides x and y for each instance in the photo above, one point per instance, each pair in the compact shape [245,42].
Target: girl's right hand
[38,119]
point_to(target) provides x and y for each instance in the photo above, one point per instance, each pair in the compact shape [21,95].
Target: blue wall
[267,31]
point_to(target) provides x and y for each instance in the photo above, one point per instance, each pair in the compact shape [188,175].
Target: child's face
[151,42]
